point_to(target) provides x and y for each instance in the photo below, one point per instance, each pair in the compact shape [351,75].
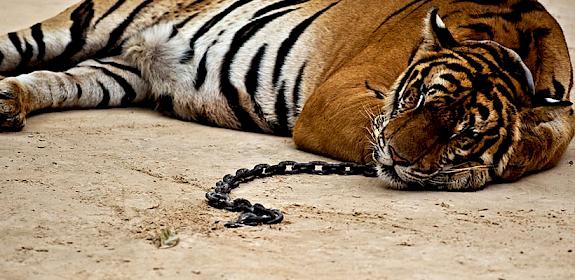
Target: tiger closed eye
[467,131]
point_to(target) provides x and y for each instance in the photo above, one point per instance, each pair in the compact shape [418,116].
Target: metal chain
[257,214]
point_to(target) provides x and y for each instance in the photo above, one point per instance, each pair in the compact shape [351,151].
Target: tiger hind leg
[95,83]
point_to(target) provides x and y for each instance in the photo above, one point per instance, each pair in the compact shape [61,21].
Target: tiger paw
[12,105]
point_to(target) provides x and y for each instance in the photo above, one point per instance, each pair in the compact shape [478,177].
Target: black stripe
[401,85]
[451,79]
[498,109]
[130,69]
[185,21]
[480,28]
[175,32]
[129,92]
[281,112]
[81,18]
[191,4]
[297,90]
[481,2]
[456,67]
[117,33]
[202,71]
[525,40]
[539,34]
[109,11]
[526,6]
[16,42]
[230,91]
[461,69]
[472,102]
[26,55]
[490,49]
[517,11]
[165,104]
[497,69]
[288,43]
[378,93]
[105,97]
[181,24]
[491,65]
[401,10]
[559,89]
[486,145]
[415,74]
[208,25]
[472,62]
[277,6]
[38,36]
[1,57]
[438,87]
[252,79]
[78,91]
[508,93]
[252,76]
[483,111]
[503,148]
[513,17]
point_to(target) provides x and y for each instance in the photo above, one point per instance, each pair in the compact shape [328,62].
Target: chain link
[257,214]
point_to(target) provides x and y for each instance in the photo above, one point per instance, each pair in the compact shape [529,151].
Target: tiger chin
[465,114]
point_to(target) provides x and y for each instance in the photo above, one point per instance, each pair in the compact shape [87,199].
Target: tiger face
[452,118]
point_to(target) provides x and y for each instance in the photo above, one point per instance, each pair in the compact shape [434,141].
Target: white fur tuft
[158,57]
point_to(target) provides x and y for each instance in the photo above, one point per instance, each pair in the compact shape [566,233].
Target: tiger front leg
[338,117]
[545,136]
[92,84]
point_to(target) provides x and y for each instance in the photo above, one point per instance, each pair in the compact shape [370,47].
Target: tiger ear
[435,33]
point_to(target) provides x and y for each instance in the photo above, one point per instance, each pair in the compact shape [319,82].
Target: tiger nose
[397,159]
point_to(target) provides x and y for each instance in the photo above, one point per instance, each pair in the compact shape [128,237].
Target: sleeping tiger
[438,94]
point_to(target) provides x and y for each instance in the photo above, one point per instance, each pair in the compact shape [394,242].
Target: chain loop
[257,214]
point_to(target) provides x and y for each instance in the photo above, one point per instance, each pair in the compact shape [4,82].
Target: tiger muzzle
[414,141]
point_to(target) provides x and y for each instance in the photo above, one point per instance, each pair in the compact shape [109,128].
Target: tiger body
[327,72]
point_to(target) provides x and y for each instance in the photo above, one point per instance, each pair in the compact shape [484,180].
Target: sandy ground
[83,192]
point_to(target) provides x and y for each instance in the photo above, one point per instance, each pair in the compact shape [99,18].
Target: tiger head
[452,118]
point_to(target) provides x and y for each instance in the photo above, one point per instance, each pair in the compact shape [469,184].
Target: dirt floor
[83,193]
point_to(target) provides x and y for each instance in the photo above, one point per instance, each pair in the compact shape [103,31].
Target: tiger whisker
[481,167]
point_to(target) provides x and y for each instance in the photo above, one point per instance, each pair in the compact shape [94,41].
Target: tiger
[437,94]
